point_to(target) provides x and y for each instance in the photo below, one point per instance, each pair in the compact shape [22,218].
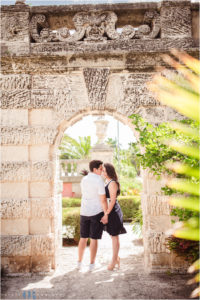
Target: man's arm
[104,204]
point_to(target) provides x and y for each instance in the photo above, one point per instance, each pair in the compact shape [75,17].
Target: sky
[87,127]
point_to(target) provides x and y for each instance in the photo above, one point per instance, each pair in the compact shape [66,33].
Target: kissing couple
[100,211]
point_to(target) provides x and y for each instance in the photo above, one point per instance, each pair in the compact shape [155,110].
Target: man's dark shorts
[91,227]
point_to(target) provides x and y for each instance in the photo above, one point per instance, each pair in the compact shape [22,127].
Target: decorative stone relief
[16,245]
[24,171]
[15,26]
[42,245]
[96,82]
[94,26]
[27,135]
[15,208]
[151,27]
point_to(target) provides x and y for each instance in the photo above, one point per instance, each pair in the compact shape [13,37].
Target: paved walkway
[130,282]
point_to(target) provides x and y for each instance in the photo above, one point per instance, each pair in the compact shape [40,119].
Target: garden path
[130,282]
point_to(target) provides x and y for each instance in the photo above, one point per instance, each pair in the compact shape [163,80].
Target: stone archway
[49,81]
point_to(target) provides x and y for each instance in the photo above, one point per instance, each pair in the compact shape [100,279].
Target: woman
[115,217]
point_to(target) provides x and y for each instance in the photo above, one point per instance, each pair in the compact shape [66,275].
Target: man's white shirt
[92,186]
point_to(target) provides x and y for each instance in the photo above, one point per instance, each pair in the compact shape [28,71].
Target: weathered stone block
[42,245]
[155,205]
[15,227]
[175,20]
[41,117]
[39,153]
[17,264]
[41,263]
[161,222]
[14,117]
[155,242]
[15,208]
[160,259]
[18,190]
[26,135]
[40,226]
[42,208]
[25,171]
[16,245]
[14,153]
[40,189]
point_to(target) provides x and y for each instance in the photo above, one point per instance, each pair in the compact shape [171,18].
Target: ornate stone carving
[15,26]
[151,27]
[96,82]
[90,26]
[94,26]
[15,208]
[16,245]
[27,135]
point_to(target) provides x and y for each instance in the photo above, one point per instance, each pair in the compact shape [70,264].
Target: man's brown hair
[95,164]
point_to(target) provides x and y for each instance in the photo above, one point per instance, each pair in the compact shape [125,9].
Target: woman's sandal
[112,265]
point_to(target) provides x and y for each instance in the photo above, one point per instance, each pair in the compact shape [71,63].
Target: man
[93,207]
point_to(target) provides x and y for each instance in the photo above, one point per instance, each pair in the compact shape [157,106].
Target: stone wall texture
[62,63]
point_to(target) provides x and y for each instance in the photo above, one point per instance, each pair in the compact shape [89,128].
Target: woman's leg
[115,246]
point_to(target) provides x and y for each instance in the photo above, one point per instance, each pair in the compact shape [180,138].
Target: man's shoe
[91,267]
[79,265]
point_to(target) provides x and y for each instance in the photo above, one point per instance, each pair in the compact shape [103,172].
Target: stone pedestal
[102,152]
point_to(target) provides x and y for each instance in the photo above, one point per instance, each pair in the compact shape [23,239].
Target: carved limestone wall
[60,63]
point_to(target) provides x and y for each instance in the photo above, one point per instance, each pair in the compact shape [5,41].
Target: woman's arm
[113,187]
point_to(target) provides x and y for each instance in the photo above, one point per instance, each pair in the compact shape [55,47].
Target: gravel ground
[129,282]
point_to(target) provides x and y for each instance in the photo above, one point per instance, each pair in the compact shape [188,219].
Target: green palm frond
[181,92]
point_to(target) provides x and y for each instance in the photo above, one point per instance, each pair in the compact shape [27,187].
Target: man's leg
[81,248]
[93,250]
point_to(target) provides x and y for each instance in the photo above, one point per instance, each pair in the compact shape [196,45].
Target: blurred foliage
[73,149]
[181,92]
[183,248]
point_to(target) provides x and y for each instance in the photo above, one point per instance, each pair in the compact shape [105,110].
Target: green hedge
[71,217]
[129,206]
[71,202]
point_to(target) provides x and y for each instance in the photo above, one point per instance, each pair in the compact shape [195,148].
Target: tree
[71,148]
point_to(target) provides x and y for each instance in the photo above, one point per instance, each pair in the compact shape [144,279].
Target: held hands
[104,219]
